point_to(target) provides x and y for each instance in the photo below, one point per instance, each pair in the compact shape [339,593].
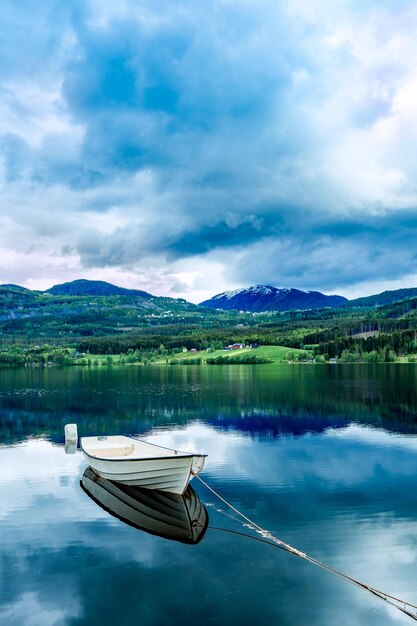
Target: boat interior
[122,447]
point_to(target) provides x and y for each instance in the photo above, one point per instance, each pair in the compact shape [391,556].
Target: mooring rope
[247,536]
[397,603]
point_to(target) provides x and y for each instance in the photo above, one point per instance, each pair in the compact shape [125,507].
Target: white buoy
[71,438]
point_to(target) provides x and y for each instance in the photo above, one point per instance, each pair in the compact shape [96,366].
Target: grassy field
[276,354]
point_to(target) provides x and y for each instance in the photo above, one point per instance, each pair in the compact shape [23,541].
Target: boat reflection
[178,517]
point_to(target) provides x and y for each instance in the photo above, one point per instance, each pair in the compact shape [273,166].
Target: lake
[323,456]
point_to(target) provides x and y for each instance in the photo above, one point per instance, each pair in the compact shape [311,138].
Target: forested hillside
[46,328]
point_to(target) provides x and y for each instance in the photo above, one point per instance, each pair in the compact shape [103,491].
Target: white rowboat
[139,463]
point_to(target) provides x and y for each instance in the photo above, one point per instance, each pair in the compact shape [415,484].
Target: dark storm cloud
[164,236]
[335,255]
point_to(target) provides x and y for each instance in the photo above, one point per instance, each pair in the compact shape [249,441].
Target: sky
[186,147]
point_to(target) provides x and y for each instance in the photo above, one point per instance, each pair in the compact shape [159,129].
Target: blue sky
[186,148]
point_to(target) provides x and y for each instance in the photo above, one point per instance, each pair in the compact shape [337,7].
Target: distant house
[193,349]
[184,350]
[235,346]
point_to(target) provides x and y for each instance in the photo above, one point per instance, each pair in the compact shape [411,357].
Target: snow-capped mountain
[266,298]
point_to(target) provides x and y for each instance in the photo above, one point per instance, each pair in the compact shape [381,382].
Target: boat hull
[170,474]
[171,516]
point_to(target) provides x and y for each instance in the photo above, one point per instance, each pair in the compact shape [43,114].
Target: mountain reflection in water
[324,457]
[268,401]
[168,515]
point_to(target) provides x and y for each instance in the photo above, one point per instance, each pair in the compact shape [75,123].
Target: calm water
[325,457]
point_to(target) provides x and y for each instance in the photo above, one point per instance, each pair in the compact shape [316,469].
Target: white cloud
[154,139]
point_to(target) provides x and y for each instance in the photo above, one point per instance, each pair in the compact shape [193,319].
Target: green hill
[84,287]
[386,297]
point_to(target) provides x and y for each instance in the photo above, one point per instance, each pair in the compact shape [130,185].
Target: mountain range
[257,298]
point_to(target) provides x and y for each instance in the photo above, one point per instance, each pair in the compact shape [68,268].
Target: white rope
[392,600]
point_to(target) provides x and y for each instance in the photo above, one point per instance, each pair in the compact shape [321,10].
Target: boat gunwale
[183,455]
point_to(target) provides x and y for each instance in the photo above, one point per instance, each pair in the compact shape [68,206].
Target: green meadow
[273,354]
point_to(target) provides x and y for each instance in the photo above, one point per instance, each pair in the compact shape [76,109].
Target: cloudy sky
[190,147]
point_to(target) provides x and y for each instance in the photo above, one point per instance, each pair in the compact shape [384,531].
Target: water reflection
[263,401]
[178,517]
[323,457]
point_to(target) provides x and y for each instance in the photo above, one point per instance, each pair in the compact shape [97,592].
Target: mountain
[13,287]
[266,298]
[84,287]
[386,297]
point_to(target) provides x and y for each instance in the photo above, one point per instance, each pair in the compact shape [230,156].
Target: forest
[43,329]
